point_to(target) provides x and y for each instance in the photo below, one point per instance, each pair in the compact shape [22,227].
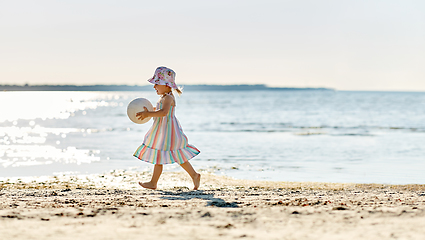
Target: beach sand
[114,206]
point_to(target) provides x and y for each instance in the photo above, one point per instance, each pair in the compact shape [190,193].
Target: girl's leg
[196,177]
[157,170]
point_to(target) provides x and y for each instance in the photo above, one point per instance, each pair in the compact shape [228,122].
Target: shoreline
[113,206]
[127,179]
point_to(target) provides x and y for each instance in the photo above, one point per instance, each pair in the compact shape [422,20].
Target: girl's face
[161,89]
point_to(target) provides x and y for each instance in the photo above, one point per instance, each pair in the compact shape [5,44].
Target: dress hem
[155,156]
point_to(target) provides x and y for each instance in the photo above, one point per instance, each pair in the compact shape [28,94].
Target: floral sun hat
[164,76]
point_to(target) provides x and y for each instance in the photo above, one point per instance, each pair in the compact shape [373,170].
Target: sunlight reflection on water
[46,105]
[25,143]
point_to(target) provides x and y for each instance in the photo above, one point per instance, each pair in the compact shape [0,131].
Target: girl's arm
[166,105]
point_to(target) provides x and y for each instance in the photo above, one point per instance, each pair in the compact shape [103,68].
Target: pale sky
[341,44]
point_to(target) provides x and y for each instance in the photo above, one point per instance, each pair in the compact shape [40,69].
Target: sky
[340,44]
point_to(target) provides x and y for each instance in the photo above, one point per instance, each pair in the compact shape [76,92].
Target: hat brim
[162,82]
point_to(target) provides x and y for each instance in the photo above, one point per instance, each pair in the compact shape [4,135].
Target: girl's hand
[168,100]
[143,115]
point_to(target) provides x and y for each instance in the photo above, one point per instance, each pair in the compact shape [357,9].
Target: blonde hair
[178,90]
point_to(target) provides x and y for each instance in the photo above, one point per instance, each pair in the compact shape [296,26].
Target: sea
[296,136]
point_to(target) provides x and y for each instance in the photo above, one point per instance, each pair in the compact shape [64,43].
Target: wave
[362,130]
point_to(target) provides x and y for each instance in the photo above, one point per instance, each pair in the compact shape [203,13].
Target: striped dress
[165,142]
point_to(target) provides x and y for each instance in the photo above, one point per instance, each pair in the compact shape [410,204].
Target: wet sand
[114,206]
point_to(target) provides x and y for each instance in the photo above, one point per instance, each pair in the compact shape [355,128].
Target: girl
[165,142]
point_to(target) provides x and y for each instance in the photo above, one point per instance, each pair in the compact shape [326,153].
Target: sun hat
[164,76]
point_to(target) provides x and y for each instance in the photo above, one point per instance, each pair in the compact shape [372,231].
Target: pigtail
[179,90]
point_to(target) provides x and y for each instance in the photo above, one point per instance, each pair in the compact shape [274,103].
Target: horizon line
[193,87]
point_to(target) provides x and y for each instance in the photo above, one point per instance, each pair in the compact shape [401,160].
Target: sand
[113,206]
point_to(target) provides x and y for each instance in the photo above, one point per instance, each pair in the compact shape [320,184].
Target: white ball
[136,106]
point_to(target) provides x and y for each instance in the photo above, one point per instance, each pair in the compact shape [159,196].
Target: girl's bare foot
[148,185]
[197,181]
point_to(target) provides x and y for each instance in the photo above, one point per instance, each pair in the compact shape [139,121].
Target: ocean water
[319,136]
